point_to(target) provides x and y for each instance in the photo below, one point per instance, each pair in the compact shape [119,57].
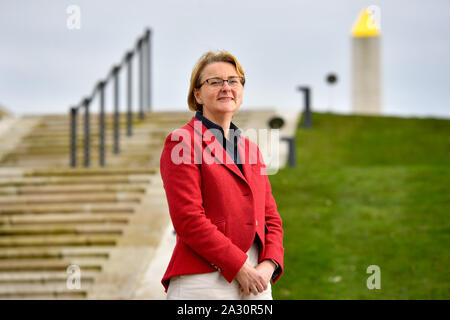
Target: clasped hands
[255,279]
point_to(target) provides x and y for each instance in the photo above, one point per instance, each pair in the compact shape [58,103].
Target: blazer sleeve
[182,184]
[274,232]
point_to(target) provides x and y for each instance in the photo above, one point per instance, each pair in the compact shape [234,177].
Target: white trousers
[213,286]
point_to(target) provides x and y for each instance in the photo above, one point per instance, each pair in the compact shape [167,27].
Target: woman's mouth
[225,99]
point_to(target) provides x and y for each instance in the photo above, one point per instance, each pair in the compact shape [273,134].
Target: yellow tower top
[366,25]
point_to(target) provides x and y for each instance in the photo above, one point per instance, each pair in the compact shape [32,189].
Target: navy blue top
[229,146]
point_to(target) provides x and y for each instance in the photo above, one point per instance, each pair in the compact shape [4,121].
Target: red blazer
[217,211]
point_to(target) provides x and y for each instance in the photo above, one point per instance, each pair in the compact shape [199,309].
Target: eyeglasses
[234,82]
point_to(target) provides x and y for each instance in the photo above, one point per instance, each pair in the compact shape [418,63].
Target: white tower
[366,63]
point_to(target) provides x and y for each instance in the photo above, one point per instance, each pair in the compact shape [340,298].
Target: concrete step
[28,265]
[51,286]
[58,241]
[57,139]
[63,162]
[99,197]
[48,156]
[63,134]
[21,231]
[65,219]
[60,147]
[61,144]
[43,278]
[153,117]
[153,133]
[61,116]
[53,253]
[43,294]
[90,208]
[73,180]
[109,122]
[95,129]
[149,133]
[8,172]
[72,189]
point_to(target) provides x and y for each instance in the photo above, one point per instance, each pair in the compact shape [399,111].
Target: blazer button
[256,222]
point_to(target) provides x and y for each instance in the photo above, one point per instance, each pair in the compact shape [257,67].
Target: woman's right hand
[251,280]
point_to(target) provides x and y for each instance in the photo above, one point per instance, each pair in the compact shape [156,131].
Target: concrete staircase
[103,223]
[55,218]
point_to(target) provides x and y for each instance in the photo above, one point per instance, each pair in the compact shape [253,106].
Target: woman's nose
[226,86]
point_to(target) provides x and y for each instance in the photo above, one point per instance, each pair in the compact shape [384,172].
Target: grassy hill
[366,191]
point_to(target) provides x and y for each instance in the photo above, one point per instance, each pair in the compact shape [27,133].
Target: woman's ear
[197,96]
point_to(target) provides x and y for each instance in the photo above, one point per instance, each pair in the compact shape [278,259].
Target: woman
[229,233]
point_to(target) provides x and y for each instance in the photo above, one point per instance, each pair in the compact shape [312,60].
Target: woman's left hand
[266,268]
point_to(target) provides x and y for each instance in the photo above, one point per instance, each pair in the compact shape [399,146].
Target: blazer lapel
[218,153]
[243,149]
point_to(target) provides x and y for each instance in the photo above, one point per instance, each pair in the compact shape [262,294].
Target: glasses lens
[234,81]
[215,82]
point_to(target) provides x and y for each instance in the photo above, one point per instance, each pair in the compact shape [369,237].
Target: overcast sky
[46,67]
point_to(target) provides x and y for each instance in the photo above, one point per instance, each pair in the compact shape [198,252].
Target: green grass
[366,191]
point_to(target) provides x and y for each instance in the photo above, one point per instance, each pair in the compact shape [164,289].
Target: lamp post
[331,79]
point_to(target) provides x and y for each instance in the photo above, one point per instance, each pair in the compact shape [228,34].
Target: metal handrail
[142,51]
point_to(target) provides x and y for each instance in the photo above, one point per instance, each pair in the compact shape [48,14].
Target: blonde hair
[208,58]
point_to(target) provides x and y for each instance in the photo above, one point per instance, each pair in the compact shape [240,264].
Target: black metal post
[116,109]
[73,136]
[87,133]
[292,159]
[101,88]
[129,93]
[144,72]
[149,68]
[141,83]
[307,117]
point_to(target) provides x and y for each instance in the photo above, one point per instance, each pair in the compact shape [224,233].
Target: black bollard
[307,117]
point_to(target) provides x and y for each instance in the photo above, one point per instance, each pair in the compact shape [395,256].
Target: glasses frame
[206,81]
